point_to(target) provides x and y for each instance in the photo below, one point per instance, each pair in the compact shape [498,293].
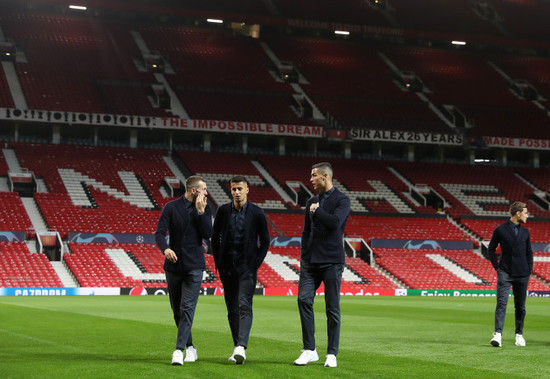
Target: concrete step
[65,275]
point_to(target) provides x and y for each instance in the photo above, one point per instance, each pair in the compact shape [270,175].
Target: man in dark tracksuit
[188,220]
[322,261]
[513,269]
[240,241]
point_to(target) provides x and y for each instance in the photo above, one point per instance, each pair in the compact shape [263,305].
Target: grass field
[133,336]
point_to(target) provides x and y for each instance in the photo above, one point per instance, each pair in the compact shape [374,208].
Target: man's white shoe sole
[303,364]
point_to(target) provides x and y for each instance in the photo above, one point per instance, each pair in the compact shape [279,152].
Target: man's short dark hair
[323,168]
[238,179]
[193,182]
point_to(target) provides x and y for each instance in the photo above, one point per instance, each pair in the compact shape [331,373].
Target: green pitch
[132,337]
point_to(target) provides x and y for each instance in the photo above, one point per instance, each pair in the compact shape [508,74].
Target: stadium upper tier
[75,63]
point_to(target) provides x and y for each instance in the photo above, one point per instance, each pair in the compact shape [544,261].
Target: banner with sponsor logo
[283,291]
[111,238]
[343,292]
[62,291]
[405,136]
[452,293]
[286,291]
[538,293]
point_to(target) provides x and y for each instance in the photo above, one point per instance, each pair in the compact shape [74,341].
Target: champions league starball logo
[422,245]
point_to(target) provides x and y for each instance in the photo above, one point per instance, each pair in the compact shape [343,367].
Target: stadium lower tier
[140,265]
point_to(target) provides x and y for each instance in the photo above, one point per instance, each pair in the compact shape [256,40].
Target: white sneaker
[497,339]
[331,361]
[306,357]
[177,358]
[190,354]
[520,341]
[232,358]
[239,355]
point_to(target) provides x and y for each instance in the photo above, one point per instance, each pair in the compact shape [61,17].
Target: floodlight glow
[214,20]
[78,7]
[342,32]
[461,43]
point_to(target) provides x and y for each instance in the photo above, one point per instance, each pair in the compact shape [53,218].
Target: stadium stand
[221,76]
[94,266]
[348,11]
[3,166]
[124,265]
[111,187]
[218,168]
[541,267]
[528,68]
[471,190]
[21,268]
[437,16]
[539,177]
[94,64]
[413,228]
[441,269]
[13,216]
[6,101]
[467,81]
[484,228]
[281,269]
[351,83]
[62,54]
[515,13]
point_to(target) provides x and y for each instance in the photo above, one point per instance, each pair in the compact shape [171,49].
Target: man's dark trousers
[238,287]
[184,294]
[519,288]
[311,276]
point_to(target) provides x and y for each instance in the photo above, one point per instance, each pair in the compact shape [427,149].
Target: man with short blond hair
[513,269]
[188,221]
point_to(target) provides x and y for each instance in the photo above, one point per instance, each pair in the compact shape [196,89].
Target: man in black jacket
[513,269]
[322,261]
[188,220]
[240,241]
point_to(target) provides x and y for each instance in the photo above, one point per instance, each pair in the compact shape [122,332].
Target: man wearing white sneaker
[188,221]
[240,241]
[513,269]
[322,261]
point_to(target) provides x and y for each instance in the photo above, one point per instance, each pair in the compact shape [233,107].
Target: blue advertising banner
[150,238]
[421,244]
[111,238]
[537,246]
[286,241]
[12,236]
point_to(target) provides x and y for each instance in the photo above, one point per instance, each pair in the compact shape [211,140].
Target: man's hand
[313,207]
[170,255]
[200,202]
